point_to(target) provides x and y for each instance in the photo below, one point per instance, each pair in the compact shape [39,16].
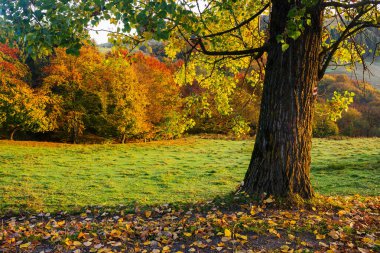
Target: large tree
[297,50]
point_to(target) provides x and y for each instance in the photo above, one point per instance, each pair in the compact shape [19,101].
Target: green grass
[45,176]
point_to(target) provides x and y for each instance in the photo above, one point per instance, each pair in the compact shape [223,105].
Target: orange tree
[21,107]
[164,104]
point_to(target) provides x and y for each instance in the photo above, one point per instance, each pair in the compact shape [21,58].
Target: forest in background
[114,95]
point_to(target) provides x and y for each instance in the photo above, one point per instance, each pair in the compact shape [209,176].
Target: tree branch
[349,6]
[239,25]
[335,47]
[259,51]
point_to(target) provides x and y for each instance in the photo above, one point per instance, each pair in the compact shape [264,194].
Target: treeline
[115,95]
[95,97]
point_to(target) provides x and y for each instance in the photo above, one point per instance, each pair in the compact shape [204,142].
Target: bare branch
[353,27]
[349,6]
[335,47]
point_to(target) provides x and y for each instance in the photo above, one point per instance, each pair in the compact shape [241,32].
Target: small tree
[127,99]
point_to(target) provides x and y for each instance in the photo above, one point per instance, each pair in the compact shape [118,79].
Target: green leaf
[295,34]
[284,47]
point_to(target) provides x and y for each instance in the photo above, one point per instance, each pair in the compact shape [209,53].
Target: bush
[325,128]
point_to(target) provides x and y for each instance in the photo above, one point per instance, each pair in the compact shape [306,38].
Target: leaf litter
[330,224]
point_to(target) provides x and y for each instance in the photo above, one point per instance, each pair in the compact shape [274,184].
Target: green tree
[297,48]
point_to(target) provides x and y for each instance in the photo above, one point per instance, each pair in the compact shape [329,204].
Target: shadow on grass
[228,202]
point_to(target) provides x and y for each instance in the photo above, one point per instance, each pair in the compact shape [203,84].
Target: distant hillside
[372,77]
[363,116]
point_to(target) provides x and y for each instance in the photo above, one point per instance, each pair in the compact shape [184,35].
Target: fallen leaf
[88,243]
[148,214]
[320,237]
[77,243]
[243,237]
[269,200]
[227,233]
[25,245]
[334,234]
[284,248]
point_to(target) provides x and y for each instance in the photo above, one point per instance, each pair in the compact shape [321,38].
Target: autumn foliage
[21,107]
[122,95]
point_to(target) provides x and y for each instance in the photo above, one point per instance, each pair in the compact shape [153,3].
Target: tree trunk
[12,133]
[280,163]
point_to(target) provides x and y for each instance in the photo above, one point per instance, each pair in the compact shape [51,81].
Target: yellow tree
[76,83]
[128,101]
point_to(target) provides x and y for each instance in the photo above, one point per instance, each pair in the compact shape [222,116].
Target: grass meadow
[50,177]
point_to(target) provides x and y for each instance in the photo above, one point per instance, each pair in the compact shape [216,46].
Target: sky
[101,37]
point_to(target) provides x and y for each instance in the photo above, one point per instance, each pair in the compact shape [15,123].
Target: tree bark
[123,138]
[280,163]
[11,136]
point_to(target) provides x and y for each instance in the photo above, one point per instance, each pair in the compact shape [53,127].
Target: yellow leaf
[341,212]
[274,231]
[68,242]
[244,237]
[320,237]
[61,223]
[25,245]
[148,214]
[227,233]
[115,233]
[269,200]
[284,248]
[367,240]
[291,237]
[187,234]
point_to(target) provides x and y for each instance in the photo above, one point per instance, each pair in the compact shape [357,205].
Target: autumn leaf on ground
[227,233]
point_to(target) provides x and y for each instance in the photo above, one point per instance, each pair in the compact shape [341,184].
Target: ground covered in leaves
[234,224]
